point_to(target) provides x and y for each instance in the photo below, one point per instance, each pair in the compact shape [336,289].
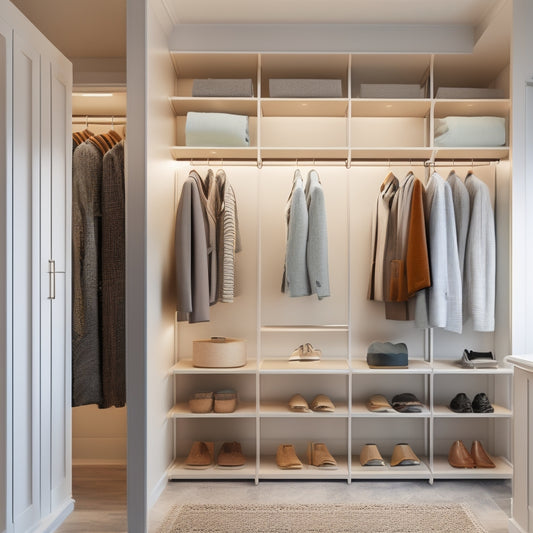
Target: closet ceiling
[97,29]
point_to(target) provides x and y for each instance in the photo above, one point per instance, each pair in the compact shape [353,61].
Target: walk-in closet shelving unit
[336,136]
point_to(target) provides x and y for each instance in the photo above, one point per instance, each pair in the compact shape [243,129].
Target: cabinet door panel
[26,369]
[5,316]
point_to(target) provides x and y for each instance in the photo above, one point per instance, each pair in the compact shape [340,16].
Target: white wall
[160,297]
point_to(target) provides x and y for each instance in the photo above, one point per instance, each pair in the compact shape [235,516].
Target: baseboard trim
[53,521]
[158,489]
[514,527]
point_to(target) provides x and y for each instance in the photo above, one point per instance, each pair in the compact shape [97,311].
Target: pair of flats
[461,404]
[306,352]
[459,457]
[318,456]
[202,456]
[402,455]
[320,404]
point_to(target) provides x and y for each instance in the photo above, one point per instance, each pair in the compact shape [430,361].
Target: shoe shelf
[324,366]
[281,410]
[416,366]
[451,367]
[359,410]
[421,471]
[443,411]
[244,410]
[443,470]
[185,366]
[304,107]
[312,328]
[178,471]
[268,469]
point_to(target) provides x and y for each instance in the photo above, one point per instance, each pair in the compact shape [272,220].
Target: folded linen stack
[470,131]
[216,129]
[218,87]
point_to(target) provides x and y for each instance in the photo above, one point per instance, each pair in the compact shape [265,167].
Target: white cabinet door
[26,281]
[6,51]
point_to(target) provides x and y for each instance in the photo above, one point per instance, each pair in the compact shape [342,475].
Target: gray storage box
[468,92]
[305,88]
[391,90]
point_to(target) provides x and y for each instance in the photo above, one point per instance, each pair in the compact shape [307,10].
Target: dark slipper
[481,404]
[461,404]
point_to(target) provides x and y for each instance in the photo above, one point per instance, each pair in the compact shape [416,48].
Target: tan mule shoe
[319,456]
[286,457]
[299,404]
[403,455]
[459,457]
[370,456]
[230,456]
[480,456]
[322,404]
[200,456]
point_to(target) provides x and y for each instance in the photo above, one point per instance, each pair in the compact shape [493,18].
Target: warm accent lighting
[97,95]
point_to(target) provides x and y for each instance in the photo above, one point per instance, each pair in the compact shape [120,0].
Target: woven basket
[219,352]
[201,402]
[225,402]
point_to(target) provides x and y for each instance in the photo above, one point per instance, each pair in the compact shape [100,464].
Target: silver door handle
[51,279]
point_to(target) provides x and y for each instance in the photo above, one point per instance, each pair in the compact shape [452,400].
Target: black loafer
[481,404]
[461,404]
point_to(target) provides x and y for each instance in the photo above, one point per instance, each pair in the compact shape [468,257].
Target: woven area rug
[320,518]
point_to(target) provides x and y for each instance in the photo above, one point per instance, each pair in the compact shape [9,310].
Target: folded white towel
[216,129]
[470,131]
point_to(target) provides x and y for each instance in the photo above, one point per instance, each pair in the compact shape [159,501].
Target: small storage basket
[225,401]
[201,402]
[219,352]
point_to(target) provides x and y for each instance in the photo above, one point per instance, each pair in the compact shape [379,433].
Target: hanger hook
[296,162]
[112,122]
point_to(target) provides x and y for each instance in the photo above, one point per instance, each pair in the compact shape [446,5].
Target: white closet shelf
[499,107]
[472,153]
[391,152]
[304,152]
[177,471]
[443,411]
[391,107]
[324,366]
[359,410]
[215,65]
[416,366]
[213,152]
[239,106]
[244,410]
[304,107]
[420,471]
[281,410]
[451,367]
[443,470]
[269,469]
[305,328]
[185,366]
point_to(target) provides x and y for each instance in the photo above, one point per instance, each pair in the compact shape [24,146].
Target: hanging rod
[361,162]
[99,119]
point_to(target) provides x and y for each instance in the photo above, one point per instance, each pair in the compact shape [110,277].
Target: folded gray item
[304,88]
[216,129]
[387,355]
[391,90]
[470,131]
[468,92]
[223,87]
[472,359]
[407,403]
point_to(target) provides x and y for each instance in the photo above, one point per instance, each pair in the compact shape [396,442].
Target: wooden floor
[100,500]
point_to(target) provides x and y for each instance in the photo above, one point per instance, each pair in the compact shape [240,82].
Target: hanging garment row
[98,266]
[306,269]
[434,252]
[207,239]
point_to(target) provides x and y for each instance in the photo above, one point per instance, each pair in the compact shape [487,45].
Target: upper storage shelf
[383,108]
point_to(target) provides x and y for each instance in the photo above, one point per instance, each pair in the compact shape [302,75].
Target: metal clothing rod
[343,162]
[99,119]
